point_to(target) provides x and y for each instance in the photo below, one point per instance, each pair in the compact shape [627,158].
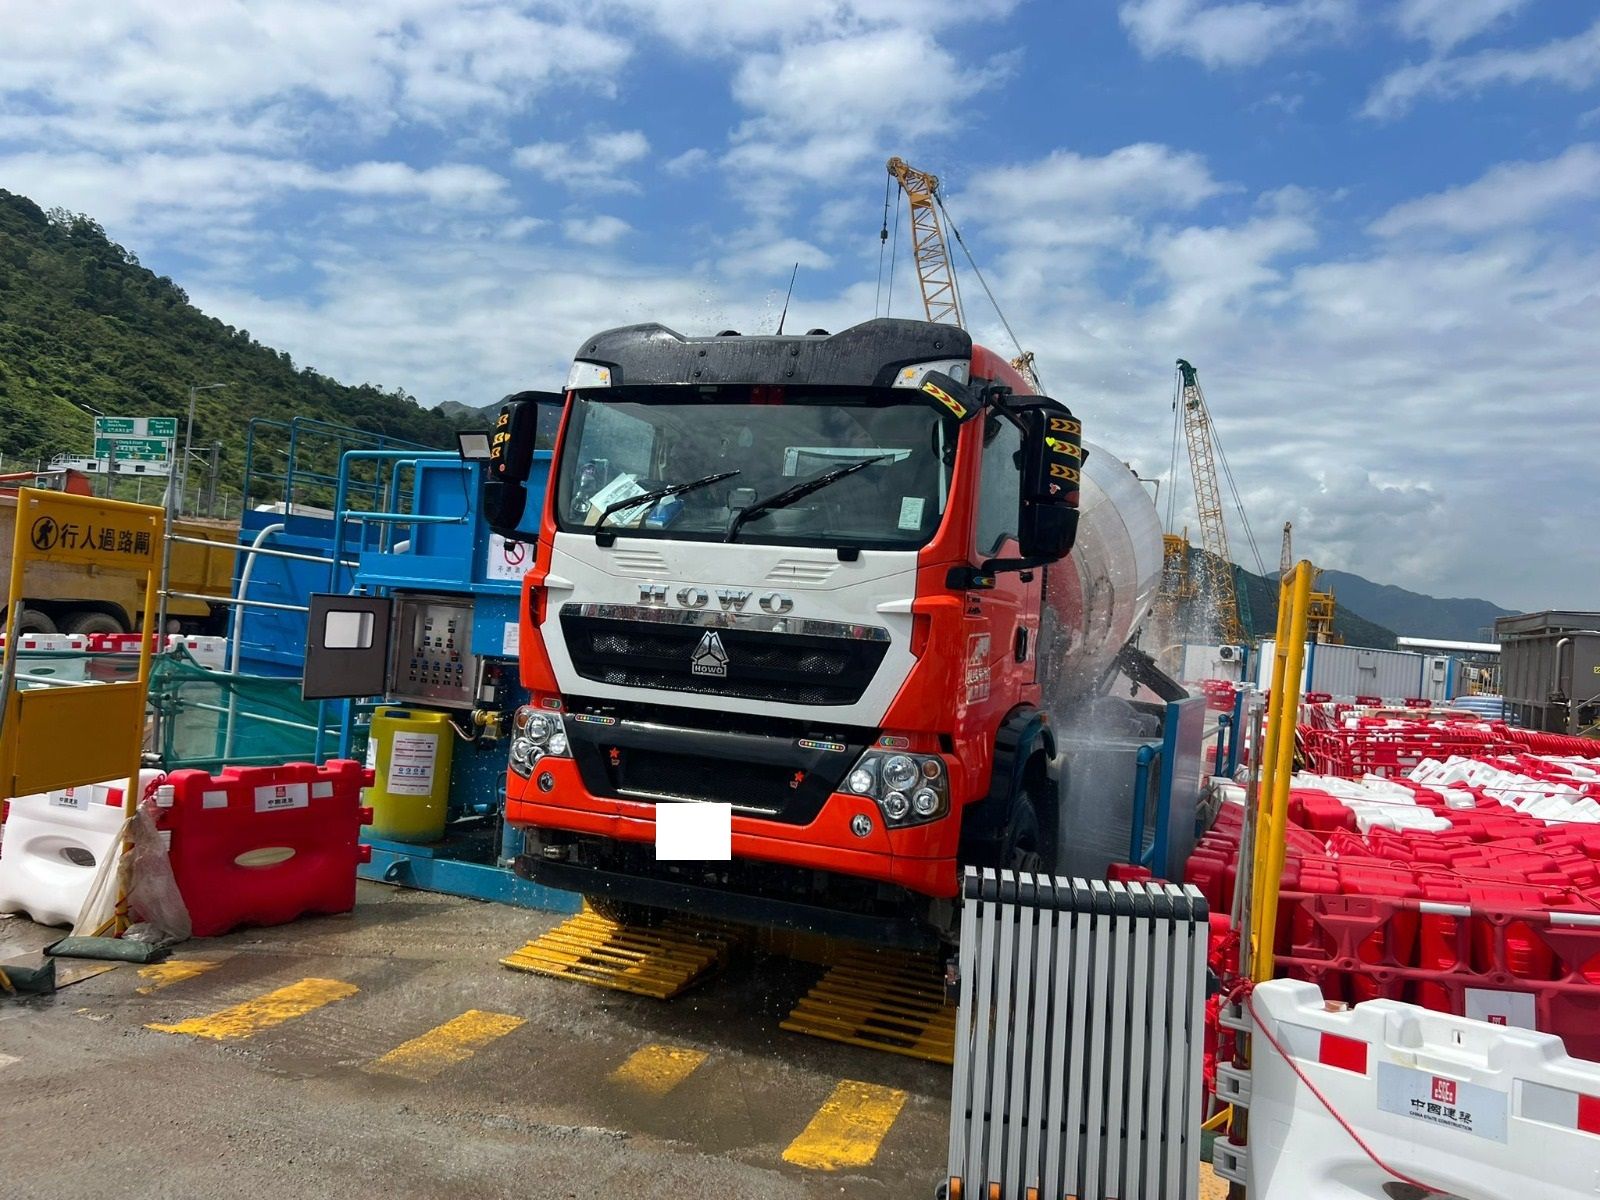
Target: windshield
[617,449]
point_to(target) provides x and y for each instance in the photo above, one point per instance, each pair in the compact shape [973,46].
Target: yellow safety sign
[73,735]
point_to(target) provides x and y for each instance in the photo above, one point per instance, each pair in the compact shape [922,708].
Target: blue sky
[1371,223]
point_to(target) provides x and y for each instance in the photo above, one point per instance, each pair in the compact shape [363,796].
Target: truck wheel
[624,913]
[1023,849]
[91,622]
[32,621]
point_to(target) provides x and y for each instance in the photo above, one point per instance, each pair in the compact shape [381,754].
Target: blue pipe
[1148,753]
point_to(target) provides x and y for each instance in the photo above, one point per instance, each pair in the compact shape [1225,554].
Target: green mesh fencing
[211,719]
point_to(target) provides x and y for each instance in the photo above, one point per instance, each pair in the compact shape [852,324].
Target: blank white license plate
[694,832]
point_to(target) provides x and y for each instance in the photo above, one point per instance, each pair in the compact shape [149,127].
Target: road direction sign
[138,427]
[136,449]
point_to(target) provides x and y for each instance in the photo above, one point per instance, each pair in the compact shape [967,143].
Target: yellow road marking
[656,1070]
[456,1040]
[174,970]
[274,1008]
[848,1128]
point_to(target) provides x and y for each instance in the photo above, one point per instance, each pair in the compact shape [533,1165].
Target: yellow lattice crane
[1217,566]
[1319,615]
[936,272]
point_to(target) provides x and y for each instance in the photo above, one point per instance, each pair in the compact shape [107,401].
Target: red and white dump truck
[850,585]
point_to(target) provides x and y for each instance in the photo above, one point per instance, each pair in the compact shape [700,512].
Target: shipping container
[1349,671]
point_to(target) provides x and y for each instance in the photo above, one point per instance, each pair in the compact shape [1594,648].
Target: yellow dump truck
[64,598]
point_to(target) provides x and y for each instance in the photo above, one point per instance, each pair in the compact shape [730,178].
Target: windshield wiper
[649,500]
[798,492]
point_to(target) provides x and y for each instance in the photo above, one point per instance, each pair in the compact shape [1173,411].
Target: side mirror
[511,447]
[1052,461]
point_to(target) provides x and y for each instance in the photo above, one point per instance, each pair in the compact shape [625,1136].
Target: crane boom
[941,298]
[1218,566]
[936,273]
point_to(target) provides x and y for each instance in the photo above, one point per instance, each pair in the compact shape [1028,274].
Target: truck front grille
[790,668]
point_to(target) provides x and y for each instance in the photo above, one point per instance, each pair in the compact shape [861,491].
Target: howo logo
[709,656]
[728,599]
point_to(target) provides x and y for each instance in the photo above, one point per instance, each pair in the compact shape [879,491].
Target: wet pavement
[388,1053]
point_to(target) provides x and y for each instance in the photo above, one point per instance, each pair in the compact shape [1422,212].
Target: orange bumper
[914,858]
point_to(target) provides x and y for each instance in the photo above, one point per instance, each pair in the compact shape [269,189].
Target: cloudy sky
[1370,223]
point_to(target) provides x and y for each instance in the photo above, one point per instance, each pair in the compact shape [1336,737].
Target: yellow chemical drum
[409,752]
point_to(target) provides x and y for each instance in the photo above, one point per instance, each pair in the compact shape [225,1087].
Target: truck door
[1003,622]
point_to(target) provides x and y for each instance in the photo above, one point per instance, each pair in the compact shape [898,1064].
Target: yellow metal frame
[1277,765]
[52,739]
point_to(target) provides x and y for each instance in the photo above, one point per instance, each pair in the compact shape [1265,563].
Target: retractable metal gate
[1078,1040]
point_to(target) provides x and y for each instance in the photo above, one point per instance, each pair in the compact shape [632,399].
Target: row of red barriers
[265,845]
[1496,916]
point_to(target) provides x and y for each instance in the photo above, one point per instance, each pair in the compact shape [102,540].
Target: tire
[1022,848]
[625,913]
[33,621]
[91,622]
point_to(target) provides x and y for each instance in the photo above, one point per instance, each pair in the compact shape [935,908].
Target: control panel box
[432,660]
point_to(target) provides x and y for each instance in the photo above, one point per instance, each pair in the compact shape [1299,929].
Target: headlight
[910,788]
[540,725]
[557,743]
[522,752]
[899,771]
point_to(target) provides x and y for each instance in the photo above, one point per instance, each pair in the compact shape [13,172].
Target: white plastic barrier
[52,844]
[37,658]
[1459,1106]
[209,652]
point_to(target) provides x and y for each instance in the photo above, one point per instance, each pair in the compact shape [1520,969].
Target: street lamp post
[188,439]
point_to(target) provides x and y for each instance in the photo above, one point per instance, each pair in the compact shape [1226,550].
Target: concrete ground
[550,1089]
[386,1053]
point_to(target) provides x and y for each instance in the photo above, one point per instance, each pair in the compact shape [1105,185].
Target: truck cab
[807,577]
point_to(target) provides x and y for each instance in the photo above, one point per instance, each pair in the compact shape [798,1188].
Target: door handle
[1022,643]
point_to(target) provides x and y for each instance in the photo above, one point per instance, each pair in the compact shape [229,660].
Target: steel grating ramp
[658,962]
[883,1000]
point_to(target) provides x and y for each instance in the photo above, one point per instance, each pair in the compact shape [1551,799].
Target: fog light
[925,801]
[861,825]
[546,781]
[861,781]
[896,806]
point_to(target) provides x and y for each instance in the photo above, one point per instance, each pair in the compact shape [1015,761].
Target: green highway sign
[136,427]
[134,449]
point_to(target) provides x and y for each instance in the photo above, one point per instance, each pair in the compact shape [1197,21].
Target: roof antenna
[784,315]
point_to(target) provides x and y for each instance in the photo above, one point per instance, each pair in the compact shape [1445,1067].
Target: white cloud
[1509,195]
[1572,63]
[690,162]
[824,107]
[598,230]
[722,26]
[595,165]
[419,60]
[1230,34]
[1446,23]
[166,188]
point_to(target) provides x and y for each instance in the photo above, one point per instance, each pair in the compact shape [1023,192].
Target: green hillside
[83,324]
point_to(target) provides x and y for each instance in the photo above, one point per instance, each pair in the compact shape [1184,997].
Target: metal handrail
[244,548]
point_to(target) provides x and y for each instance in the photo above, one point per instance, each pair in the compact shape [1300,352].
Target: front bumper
[920,858]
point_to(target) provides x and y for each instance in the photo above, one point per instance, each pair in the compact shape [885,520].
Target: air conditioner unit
[1230,653]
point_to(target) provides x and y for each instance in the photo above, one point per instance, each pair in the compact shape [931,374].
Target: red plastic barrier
[265,845]
[1498,961]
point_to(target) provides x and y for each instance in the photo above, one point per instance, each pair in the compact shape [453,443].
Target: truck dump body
[66,594]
